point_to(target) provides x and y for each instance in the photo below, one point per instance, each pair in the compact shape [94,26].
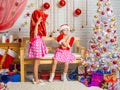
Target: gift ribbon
[110,78]
[85,74]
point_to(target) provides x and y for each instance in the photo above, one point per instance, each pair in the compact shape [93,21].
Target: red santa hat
[63,26]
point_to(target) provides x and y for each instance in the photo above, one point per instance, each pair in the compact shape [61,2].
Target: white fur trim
[69,46]
[11,53]
[62,40]
[2,51]
[64,27]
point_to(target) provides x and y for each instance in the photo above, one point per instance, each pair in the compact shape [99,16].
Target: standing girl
[63,53]
[37,47]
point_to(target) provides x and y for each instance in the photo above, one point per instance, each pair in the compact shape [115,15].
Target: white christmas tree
[103,52]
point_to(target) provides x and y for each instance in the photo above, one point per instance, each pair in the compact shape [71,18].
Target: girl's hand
[39,20]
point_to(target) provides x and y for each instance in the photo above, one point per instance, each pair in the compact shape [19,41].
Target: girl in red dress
[63,53]
[37,47]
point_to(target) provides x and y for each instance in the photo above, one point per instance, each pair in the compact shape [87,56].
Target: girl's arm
[36,26]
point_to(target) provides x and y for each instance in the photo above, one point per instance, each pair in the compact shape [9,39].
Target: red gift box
[45,76]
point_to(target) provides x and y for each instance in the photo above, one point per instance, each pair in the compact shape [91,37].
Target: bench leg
[22,73]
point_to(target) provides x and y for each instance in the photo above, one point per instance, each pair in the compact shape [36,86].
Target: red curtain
[10,10]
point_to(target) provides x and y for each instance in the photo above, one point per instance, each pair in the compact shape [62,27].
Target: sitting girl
[63,53]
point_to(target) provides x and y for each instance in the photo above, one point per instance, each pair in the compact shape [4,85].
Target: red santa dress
[37,48]
[64,55]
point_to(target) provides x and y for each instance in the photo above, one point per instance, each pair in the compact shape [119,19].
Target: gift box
[46,76]
[85,81]
[103,71]
[96,79]
[82,72]
[73,75]
[14,77]
[112,81]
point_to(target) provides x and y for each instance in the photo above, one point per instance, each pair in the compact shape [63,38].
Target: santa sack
[9,58]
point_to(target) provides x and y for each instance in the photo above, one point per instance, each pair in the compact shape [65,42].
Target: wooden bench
[15,47]
[24,60]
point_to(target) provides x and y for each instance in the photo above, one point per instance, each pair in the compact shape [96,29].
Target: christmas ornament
[46,5]
[95,16]
[77,11]
[62,3]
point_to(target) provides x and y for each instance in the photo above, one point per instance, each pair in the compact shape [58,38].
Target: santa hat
[63,26]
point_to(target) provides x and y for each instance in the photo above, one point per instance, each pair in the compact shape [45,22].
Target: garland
[82,14]
[73,17]
[86,12]
[67,12]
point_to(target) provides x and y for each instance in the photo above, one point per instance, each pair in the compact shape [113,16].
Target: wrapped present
[73,75]
[103,71]
[85,81]
[3,86]
[96,79]
[112,81]
[45,76]
[57,76]
[104,85]
[82,71]
[14,77]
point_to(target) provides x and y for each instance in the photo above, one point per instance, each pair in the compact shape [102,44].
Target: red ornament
[112,40]
[104,49]
[97,54]
[98,22]
[99,38]
[93,46]
[114,62]
[93,66]
[106,42]
[62,3]
[103,13]
[115,37]
[105,68]
[95,32]
[108,9]
[114,31]
[113,70]
[46,5]
[108,30]
[77,11]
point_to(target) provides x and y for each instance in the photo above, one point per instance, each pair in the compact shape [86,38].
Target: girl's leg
[54,66]
[36,65]
[66,67]
[53,71]
[64,76]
